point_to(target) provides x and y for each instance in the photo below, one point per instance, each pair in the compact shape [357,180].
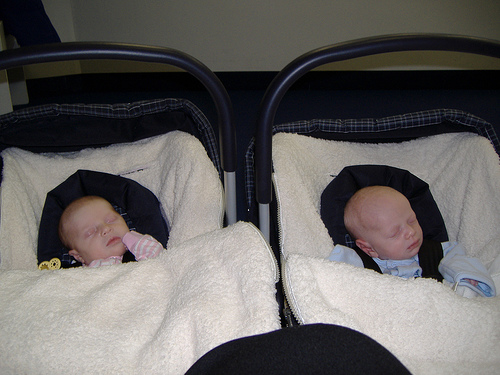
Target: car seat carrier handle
[119,51]
[339,52]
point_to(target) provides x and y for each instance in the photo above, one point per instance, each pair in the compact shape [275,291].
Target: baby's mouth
[113,241]
[414,245]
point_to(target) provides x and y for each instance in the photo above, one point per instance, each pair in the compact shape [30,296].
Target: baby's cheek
[122,231]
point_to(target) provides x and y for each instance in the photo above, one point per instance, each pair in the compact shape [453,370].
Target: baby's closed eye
[90,232]
[394,233]
[111,219]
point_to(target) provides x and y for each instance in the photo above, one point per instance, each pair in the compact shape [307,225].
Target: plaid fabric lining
[406,121]
[122,111]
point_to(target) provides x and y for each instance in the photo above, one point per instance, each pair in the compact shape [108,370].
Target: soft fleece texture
[424,323]
[174,166]
[157,316]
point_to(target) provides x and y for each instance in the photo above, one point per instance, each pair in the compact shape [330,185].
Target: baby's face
[96,231]
[394,231]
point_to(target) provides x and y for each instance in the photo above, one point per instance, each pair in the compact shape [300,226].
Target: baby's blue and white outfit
[455,267]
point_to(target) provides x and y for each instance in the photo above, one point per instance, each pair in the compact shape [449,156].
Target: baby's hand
[130,238]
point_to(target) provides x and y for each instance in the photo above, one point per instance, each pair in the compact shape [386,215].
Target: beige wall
[264,35]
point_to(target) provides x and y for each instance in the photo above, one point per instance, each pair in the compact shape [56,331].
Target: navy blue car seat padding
[397,128]
[141,207]
[72,127]
[352,178]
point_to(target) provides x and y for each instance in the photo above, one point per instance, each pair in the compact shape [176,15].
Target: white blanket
[427,326]
[174,166]
[156,316]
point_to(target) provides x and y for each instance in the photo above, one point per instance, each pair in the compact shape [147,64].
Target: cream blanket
[428,327]
[174,166]
[156,316]
[152,317]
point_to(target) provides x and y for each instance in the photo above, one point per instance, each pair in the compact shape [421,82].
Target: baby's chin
[117,252]
[123,251]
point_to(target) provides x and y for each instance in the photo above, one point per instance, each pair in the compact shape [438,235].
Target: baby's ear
[75,254]
[367,248]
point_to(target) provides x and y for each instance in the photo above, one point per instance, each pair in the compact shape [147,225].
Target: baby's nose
[410,232]
[105,230]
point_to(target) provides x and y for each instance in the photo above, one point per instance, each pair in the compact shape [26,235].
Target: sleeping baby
[384,226]
[97,235]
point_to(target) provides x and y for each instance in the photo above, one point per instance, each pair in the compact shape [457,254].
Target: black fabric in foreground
[307,349]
